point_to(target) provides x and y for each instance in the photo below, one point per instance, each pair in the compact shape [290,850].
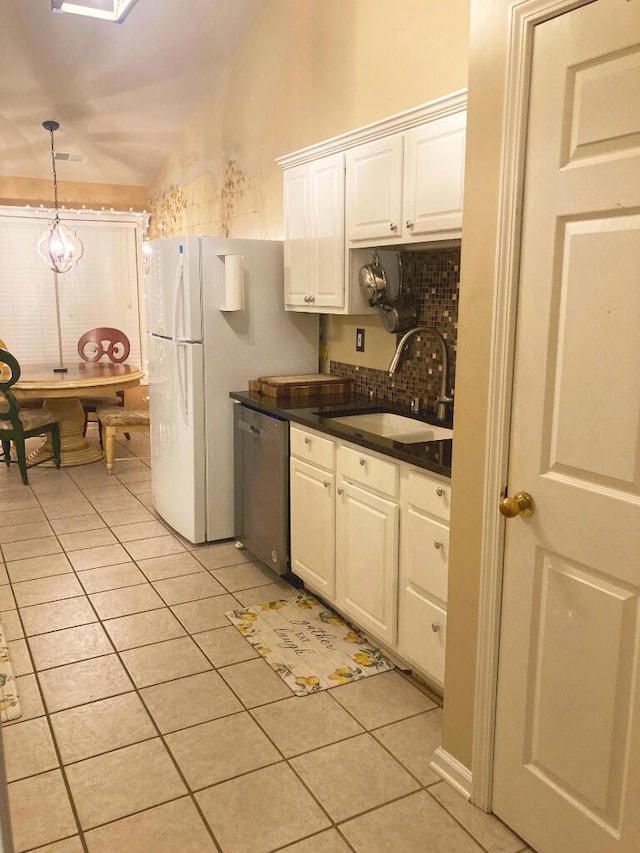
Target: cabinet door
[424,554]
[367,560]
[296,188]
[422,634]
[422,622]
[327,223]
[374,189]
[434,176]
[313,526]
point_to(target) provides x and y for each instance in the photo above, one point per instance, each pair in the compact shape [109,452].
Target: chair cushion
[117,416]
[31,419]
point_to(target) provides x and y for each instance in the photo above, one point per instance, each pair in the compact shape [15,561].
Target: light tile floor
[151,725]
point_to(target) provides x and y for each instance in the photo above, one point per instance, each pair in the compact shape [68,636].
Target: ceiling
[122,93]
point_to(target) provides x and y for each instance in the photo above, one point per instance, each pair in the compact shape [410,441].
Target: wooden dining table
[62,393]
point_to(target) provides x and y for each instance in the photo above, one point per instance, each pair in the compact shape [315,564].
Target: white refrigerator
[215,320]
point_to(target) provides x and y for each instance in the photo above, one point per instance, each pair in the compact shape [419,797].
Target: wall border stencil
[233,185]
[167,212]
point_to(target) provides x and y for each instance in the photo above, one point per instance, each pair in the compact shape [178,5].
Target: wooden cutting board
[303,385]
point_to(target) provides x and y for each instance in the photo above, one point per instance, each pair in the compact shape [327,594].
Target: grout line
[136,690]
[459,822]
[212,668]
[48,715]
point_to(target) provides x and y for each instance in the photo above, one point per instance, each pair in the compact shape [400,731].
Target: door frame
[524,15]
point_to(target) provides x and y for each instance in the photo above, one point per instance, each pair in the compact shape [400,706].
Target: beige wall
[482,174]
[34,191]
[309,70]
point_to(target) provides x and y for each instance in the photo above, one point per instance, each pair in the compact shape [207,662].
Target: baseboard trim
[452,771]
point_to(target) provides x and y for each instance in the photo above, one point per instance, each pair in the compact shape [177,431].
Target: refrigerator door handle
[178,297]
[181,354]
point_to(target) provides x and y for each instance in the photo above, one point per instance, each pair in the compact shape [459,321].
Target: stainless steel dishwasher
[261,475]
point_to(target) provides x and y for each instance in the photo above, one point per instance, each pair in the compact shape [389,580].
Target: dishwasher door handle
[245,427]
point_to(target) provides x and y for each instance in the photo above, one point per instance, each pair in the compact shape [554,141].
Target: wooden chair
[114,419]
[32,403]
[17,426]
[92,346]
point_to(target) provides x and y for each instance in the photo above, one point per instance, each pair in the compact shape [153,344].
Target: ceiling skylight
[105,10]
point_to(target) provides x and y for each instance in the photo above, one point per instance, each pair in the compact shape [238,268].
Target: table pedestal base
[74,448]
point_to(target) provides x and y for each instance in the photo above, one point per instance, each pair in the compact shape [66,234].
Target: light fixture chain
[55,179]
[60,247]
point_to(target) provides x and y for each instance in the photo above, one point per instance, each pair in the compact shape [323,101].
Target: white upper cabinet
[297,257]
[374,189]
[393,182]
[314,234]
[434,177]
[407,187]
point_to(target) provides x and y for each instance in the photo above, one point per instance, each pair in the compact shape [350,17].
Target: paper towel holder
[232,296]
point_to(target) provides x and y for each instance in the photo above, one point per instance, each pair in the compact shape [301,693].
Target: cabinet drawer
[422,632]
[425,553]
[379,474]
[428,493]
[311,447]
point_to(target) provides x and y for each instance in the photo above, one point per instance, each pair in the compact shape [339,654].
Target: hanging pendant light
[59,247]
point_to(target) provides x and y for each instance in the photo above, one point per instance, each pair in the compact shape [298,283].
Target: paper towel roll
[233,296]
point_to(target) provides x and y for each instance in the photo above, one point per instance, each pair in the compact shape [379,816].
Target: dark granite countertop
[430,455]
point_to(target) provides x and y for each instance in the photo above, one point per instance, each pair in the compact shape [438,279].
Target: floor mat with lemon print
[10,705]
[308,645]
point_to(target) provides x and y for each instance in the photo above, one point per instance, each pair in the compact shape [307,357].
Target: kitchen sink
[396,427]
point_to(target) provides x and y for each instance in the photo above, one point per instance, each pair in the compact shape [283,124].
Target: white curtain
[102,290]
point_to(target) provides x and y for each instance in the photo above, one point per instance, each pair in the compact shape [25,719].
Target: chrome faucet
[443,401]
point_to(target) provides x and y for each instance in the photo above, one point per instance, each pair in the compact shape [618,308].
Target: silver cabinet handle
[393,226]
[437,544]
[307,440]
[440,491]
[340,491]
[363,461]
[435,627]
[409,223]
[326,484]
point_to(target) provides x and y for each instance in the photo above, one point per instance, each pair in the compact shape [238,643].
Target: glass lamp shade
[60,247]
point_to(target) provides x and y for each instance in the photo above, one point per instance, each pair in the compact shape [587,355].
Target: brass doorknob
[520,504]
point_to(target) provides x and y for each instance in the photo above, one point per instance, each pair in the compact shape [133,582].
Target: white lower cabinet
[313,527]
[371,535]
[422,581]
[423,631]
[312,510]
[367,559]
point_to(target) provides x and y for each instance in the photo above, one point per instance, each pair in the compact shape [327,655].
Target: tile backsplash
[432,277]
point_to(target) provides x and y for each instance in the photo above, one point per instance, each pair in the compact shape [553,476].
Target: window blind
[102,290]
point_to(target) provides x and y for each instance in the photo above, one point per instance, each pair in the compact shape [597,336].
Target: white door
[567,751]
[177,436]
[327,194]
[367,559]
[172,289]
[374,189]
[297,238]
[313,526]
[434,176]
